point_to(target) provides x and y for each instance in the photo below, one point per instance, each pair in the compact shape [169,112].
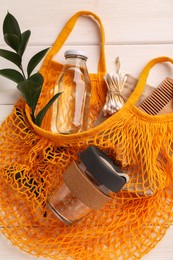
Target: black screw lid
[103,168]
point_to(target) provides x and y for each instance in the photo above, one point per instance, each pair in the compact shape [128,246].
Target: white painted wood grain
[129,21]
[5,110]
[136,31]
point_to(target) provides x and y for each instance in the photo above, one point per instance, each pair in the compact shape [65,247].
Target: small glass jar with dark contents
[86,185]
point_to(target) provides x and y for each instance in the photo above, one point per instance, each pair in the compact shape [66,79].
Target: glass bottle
[70,111]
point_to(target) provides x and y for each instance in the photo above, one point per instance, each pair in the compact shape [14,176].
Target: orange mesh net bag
[33,161]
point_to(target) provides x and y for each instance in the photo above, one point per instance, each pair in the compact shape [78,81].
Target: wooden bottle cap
[83,188]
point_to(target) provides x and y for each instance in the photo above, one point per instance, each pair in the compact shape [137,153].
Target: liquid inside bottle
[70,111]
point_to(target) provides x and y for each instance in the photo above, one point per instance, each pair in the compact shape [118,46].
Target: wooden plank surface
[126,21]
[136,31]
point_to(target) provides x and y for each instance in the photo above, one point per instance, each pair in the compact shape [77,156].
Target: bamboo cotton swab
[115,84]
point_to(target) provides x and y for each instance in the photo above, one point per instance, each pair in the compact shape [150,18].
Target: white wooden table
[136,31]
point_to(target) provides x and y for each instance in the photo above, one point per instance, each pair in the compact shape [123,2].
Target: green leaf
[24,41]
[37,78]
[11,26]
[42,113]
[35,60]
[11,56]
[12,40]
[12,74]
[30,91]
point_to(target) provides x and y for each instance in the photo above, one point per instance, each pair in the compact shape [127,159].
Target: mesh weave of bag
[32,162]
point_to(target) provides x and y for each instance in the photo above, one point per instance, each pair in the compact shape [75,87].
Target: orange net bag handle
[68,29]
[143,78]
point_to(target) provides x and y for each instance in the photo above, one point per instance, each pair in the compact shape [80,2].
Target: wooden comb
[159,98]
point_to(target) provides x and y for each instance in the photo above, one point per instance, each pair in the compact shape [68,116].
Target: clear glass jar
[86,186]
[71,110]
[66,206]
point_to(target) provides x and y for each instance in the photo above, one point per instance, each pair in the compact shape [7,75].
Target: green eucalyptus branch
[31,85]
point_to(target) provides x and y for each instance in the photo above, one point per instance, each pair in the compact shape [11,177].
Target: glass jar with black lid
[86,185]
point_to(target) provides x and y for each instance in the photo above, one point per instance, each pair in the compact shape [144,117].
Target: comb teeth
[159,97]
